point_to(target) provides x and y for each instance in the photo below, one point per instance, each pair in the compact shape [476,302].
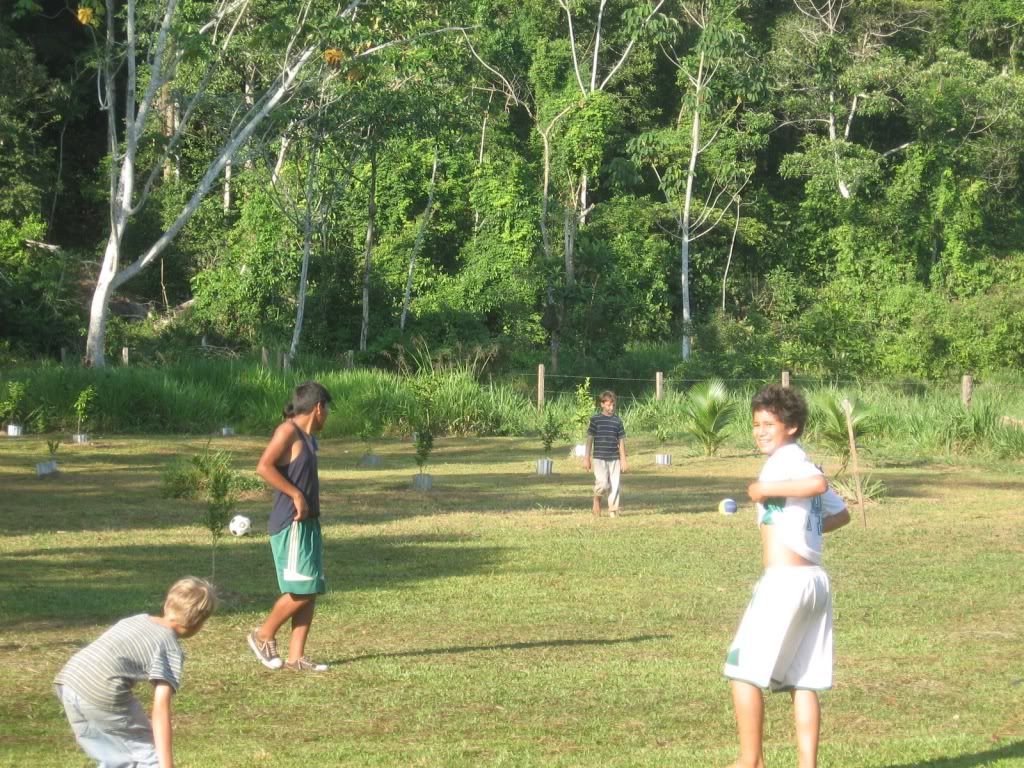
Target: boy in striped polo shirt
[606,452]
[95,686]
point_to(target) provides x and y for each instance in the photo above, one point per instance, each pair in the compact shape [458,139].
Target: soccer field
[493,622]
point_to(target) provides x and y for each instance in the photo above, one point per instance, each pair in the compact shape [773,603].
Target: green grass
[493,622]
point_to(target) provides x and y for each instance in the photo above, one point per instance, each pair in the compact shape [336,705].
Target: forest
[712,187]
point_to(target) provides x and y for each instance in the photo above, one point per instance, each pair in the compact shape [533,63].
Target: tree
[149,64]
[717,77]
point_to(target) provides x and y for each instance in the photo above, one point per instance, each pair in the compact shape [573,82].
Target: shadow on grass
[501,647]
[70,586]
[988,757]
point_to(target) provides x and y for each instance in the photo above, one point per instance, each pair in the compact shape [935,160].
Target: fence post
[265,356]
[63,355]
[966,390]
[540,387]
[659,385]
[280,360]
[124,355]
[350,359]
[286,362]
[785,378]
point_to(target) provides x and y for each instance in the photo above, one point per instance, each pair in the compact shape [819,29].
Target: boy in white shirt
[784,641]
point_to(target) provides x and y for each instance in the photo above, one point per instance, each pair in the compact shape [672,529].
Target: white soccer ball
[239,525]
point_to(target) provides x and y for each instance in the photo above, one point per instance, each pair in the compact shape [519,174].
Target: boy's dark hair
[787,404]
[305,398]
[607,395]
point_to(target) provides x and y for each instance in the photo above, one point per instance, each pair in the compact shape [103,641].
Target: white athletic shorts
[785,638]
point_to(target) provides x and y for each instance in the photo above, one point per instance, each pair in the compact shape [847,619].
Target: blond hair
[190,601]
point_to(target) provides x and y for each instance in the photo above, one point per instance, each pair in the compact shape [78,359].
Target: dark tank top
[301,472]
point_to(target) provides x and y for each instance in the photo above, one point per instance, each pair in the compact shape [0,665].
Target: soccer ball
[727,507]
[239,525]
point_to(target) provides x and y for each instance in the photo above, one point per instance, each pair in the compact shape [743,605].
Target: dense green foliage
[853,205]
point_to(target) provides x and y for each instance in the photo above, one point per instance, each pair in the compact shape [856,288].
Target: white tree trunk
[684,221]
[307,248]
[368,261]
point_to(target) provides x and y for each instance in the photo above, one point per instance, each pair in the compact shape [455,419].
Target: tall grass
[201,396]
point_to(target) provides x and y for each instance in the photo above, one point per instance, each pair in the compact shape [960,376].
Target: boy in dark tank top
[289,464]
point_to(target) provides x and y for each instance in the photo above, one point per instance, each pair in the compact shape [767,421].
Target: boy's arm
[837,520]
[804,488]
[280,446]
[162,693]
[623,464]
[588,451]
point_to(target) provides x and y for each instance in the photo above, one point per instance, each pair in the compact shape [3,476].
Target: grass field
[493,622]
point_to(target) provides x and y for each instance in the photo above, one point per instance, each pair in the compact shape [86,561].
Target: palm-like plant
[708,413]
[830,426]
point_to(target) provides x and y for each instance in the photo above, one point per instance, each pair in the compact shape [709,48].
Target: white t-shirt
[798,521]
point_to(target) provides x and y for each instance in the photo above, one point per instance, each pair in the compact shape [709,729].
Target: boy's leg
[301,621]
[614,474]
[288,606]
[748,703]
[111,738]
[600,483]
[807,714]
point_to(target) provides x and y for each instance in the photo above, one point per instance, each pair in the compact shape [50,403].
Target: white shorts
[785,638]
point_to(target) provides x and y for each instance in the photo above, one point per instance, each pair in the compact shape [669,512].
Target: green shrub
[708,413]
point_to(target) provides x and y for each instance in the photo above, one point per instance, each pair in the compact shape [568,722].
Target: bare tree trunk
[844,190]
[569,242]
[370,234]
[418,243]
[480,154]
[684,222]
[307,247]
[552,313]
[227,187]
[732,246]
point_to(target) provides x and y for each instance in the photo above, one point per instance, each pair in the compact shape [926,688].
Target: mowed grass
[494,622]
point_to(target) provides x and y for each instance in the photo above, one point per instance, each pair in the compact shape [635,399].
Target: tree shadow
[501,647]
[988,757]
[76,586]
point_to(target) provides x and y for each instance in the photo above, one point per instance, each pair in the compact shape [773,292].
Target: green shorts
[299,557]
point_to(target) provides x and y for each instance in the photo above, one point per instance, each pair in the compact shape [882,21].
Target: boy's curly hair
[785,403]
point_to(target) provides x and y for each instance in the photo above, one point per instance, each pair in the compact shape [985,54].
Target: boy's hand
[586,463]
[301,507]
[756,492]
[624,465]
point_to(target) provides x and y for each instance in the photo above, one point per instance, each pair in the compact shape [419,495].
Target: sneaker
[265,650]
[305,665]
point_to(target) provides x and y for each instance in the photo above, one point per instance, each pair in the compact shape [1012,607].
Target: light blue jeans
[113,739]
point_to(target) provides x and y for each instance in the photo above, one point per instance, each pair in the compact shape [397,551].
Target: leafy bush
[708,413]
[552,428]
[828,424]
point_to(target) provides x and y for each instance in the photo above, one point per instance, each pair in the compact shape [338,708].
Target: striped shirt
[137,648]
[606,431]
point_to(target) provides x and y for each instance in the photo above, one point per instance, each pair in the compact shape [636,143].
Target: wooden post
[286,362]
[659,386]
[124,355]
[848,409]
[280,360]
[966,390]
[63,356]
[350,359]
[265,356]
[540,387]
[785,378]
